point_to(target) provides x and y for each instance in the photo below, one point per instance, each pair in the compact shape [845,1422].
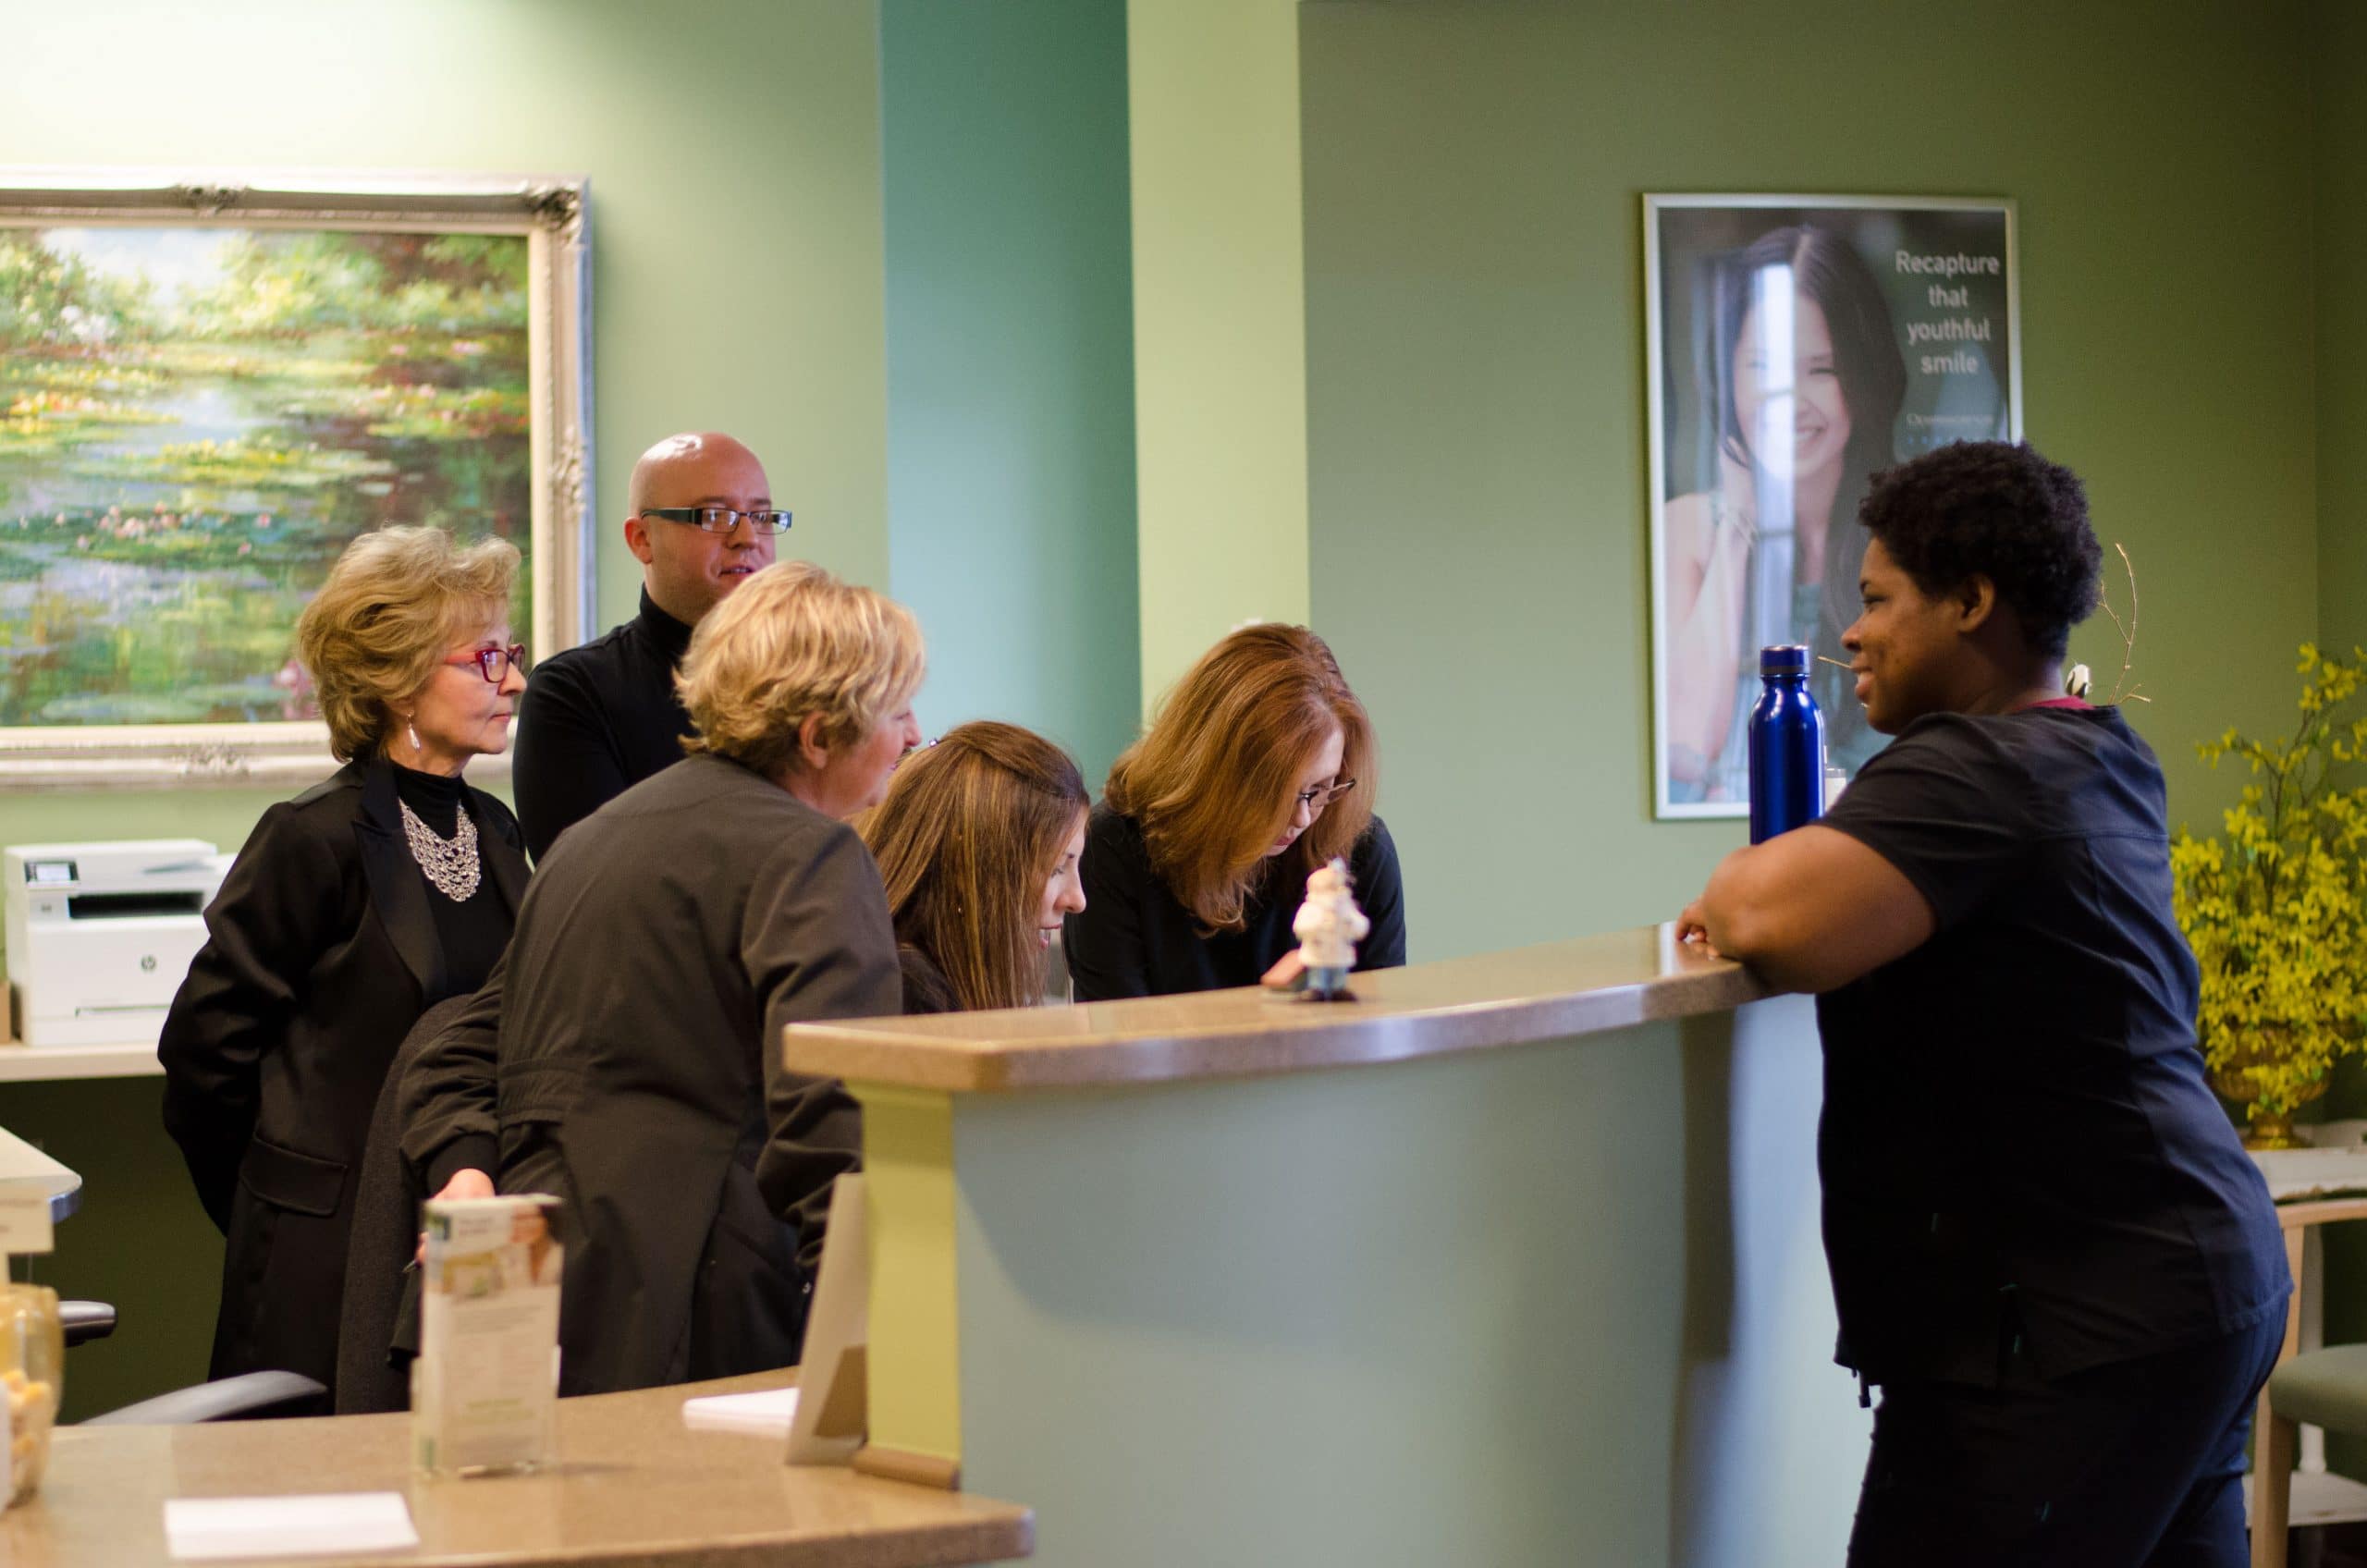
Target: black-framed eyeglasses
[494,661]
[1314,801]
[722,520]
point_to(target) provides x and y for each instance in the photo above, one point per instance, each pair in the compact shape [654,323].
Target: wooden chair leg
[2274,1440]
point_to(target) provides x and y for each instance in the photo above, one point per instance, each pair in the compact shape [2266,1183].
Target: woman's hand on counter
[465,1183]
[1691,927]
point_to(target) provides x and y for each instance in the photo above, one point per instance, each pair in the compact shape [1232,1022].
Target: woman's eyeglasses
[494,661]
[1313,800]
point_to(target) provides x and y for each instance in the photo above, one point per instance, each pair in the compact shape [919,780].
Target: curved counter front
[1514,1259]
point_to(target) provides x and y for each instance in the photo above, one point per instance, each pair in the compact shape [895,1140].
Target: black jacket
[320,951]
[597,719]
[627,1057]
[1134,939]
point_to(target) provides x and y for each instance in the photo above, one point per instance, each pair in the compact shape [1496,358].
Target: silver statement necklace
[450,863]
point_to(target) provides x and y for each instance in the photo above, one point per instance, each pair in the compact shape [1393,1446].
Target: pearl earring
[413,730]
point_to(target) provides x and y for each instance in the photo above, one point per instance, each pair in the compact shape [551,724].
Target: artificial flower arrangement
[2276,911]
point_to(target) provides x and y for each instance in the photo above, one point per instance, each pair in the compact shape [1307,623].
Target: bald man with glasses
[597,719]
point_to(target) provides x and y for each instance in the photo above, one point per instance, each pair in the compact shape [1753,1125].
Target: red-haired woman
[1258,768]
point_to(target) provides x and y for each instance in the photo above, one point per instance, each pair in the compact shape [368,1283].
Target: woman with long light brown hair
[1258,768]
[978,842]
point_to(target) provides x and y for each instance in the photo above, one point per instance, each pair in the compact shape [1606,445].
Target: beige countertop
[1502,999]
[633,1486]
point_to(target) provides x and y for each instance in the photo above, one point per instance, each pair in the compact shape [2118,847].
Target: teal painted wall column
[1220,323]
[1011,473]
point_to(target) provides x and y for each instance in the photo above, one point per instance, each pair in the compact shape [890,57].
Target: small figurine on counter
[1328,926]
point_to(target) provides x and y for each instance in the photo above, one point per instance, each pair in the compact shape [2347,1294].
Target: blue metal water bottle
[1786,746]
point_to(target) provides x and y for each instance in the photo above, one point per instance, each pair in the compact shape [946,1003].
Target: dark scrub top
[1134,939]
[597,720]
[2019,1148]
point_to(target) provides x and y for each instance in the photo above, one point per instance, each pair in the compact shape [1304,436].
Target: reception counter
[1514,1259]
[633,1487]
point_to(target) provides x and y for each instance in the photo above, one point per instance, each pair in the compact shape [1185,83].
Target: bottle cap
[1784,658]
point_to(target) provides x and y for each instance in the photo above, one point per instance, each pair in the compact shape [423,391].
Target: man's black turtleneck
[597,719]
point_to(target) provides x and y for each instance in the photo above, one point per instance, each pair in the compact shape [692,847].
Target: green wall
[1011,433]
[1476,368]
[2339,49]
[2338,55]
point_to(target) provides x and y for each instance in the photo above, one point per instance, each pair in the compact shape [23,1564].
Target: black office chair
[86,1321]
[251,1396]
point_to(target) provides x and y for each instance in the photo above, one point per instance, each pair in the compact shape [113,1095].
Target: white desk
[21,1063]
[20,1162]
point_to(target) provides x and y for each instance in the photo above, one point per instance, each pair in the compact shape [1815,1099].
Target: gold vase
[2234,1078]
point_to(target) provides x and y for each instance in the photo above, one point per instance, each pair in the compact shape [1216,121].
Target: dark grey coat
[628,1055]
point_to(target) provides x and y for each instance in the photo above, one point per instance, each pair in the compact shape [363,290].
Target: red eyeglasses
[494,661]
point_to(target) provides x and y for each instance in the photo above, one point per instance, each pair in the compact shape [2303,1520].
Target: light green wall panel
[1219,323]
[1011,424]
[2339,49]
[1475,370]
[1564,1303]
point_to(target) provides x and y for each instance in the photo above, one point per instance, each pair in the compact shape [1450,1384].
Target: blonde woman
[1258,768]
[626,1058]
[353,909]
[979,843]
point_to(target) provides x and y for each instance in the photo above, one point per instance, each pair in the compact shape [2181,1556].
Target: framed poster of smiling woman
[209,386]
[1797,346]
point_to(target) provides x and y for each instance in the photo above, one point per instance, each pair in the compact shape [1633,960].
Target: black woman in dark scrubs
[2048,1248]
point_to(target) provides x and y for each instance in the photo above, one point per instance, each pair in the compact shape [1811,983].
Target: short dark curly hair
[1994,509]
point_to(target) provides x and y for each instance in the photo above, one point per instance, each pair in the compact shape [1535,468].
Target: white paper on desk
[320,1525]
[766,1412]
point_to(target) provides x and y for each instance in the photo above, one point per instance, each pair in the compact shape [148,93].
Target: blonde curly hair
[793,641]
[395,601]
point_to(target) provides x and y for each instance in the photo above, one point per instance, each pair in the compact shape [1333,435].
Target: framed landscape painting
[208,388]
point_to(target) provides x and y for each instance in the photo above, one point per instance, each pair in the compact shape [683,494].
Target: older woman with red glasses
[352,909]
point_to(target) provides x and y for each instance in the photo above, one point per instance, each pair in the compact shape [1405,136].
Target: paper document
[200,1529]
[766,1412]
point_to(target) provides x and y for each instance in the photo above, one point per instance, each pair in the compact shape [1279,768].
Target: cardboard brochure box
[484,1389]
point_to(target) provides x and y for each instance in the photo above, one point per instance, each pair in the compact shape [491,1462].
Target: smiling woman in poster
[1803,383]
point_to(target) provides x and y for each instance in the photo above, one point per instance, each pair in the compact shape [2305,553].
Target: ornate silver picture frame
[208,383]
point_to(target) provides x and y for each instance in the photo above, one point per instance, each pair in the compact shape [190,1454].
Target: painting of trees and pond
[195,420]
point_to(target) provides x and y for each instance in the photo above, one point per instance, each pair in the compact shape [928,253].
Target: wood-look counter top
[633,1486]
[1502,998]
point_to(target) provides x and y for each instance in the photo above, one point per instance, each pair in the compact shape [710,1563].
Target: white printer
[100,935]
